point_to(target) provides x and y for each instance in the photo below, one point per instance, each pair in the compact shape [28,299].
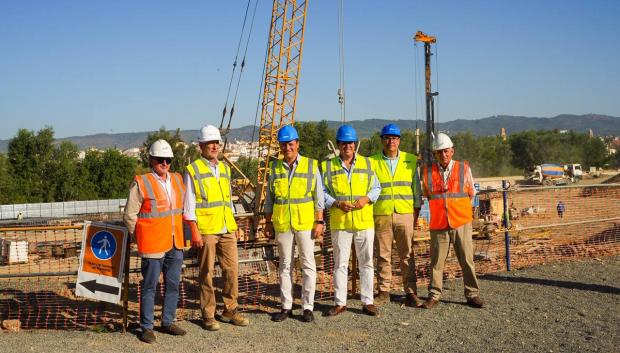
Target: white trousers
[363,241]
[305,247]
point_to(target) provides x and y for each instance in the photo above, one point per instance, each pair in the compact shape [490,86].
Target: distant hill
[601,125]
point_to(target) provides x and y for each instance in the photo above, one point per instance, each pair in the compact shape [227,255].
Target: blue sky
[87,67]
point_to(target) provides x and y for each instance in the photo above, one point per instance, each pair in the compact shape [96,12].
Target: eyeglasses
[161,160]
[390,138]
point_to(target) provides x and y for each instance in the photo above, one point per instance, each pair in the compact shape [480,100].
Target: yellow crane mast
[286,38]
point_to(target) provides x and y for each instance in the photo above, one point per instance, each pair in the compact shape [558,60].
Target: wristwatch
[320,221]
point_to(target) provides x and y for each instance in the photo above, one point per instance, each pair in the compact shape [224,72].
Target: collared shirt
[189,207]
[417,193]
[317,195]
[373,194]
[445,174]
[134,204]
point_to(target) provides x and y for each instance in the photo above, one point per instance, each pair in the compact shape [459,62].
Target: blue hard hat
[390,129]
[287,133]
[346,133]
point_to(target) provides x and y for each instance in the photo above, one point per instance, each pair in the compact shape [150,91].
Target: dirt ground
[567,307]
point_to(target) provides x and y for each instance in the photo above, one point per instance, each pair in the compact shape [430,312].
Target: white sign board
[100,275]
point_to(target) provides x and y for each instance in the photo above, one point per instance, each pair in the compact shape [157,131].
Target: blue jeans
[170,264]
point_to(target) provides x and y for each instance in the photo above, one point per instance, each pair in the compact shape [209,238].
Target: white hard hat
[441,142]
[160,148]
[209,133]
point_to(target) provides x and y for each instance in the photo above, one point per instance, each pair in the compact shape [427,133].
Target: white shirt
[189,207]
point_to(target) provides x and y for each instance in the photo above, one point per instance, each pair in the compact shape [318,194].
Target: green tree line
[36,169]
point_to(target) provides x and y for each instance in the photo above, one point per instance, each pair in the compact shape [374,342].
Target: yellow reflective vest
[293,204]
[337,183]
[213,209]
[397,193]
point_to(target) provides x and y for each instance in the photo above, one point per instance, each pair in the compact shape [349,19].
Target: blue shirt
[416,187]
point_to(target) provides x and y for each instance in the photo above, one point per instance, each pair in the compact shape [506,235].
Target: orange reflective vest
[159,225]
[449,205]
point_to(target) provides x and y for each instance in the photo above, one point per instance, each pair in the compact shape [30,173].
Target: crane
[282,68]
[430,110]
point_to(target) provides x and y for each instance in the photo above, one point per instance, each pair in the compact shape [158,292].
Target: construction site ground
[563,307]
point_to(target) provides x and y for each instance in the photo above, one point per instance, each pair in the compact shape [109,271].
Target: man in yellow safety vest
[294,211]
[209,211]
[396,213]
[351,187]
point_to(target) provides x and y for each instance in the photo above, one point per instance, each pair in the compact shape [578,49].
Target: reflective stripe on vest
[159,226]
[293,203]
[397,193]
[449,205]
[343,189]
[213,210]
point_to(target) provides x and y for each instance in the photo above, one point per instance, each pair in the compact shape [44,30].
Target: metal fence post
[505,223]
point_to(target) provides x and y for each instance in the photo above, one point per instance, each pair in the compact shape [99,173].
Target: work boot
[210,324]
[382,298]
[412,300]
[234,317]
[147,336]
[475,302]
[173,329]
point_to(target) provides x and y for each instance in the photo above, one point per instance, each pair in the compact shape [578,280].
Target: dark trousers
[170,265]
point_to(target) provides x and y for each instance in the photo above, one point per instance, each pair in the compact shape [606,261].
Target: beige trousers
[399,228]
[464,250]
[225,247]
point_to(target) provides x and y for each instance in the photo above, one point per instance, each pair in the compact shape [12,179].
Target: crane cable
[341,91]
[436,117]
[245,51]
[415,81]
[232,75]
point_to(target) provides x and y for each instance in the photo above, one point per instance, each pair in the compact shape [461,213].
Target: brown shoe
[430,303]
[234,317]
[382,298]
[336,310]
[173,329]
[147,336]
[412,300]
[475,302]
[210,324]
[369,309]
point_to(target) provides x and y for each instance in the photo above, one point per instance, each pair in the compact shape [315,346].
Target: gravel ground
[569,307]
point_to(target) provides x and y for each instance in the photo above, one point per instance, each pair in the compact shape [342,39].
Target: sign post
[100,275]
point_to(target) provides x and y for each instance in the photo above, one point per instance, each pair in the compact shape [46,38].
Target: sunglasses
[161,160]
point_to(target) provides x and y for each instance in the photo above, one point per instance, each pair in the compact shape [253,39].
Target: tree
[29,155]
[7,189]
[595,153]
[108,174]
[249,167]
[63,171]
[313,139]
[183,154]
